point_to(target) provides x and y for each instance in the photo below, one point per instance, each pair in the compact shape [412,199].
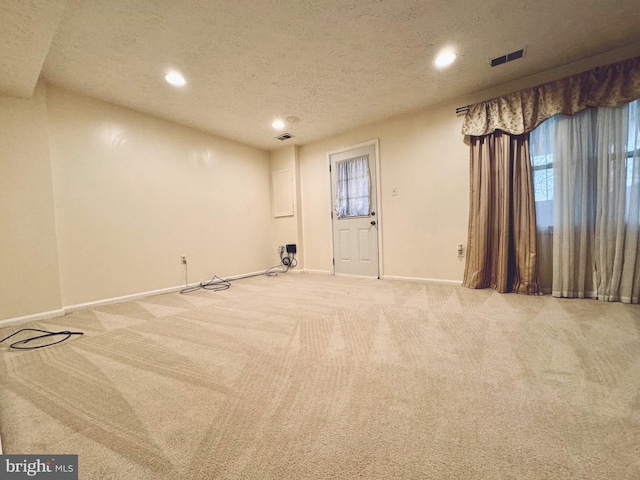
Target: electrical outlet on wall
[183,259]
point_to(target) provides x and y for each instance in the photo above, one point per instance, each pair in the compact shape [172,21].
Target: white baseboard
[31,318]
[124,298]
[350,275]
[107,301]
[423,280]
[137,296]
[318,272]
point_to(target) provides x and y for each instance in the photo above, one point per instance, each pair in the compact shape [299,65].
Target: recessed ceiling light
[278,124]
[176,79]
[445,58]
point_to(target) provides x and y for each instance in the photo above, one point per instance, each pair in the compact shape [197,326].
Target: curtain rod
[460,110]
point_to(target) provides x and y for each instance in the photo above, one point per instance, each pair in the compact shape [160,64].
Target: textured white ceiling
[26,31]
[333,64]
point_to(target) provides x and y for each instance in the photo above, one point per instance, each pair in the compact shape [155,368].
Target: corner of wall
[28,245]
[288,229]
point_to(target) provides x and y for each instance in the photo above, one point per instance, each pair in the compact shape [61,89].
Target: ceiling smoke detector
[284,136]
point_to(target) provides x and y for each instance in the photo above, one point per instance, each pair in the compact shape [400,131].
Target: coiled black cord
[217,284]
[18,345]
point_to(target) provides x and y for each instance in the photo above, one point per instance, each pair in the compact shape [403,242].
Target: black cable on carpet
[19,345]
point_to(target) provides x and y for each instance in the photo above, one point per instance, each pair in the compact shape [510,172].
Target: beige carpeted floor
[321,377]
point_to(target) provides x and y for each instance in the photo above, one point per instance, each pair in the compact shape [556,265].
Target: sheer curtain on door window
[353,187]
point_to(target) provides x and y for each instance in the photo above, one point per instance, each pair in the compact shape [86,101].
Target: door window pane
[353,187]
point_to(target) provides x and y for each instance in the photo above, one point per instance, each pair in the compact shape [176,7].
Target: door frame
[376,149]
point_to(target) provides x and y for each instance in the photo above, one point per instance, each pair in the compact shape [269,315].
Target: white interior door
[354,212]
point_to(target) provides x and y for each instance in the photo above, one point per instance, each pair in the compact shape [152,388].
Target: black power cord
[217,284]
[18,345]
[290,260]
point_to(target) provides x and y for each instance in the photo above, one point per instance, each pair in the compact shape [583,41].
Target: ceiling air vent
[507,58]
[284,136]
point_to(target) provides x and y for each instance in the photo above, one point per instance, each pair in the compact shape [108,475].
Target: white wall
[285,228]
[424,155]
[288,229]
[29,277]
[99,201]
[133,193]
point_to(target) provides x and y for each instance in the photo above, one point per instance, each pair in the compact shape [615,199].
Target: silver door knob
[373,222]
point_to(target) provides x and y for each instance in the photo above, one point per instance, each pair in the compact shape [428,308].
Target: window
[543,177]
[353,187]
[542,169]
[541,149]
[586,179]
[633,154]
[542,165]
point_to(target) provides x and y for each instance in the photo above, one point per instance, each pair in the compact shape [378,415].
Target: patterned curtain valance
[520,112]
